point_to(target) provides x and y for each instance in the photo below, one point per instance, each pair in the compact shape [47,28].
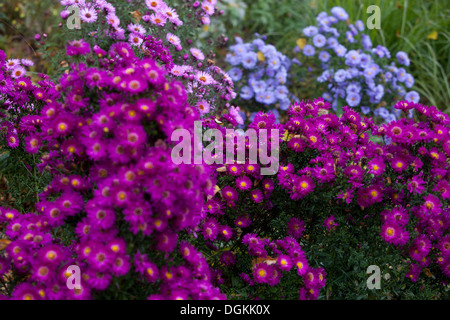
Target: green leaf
[340,104]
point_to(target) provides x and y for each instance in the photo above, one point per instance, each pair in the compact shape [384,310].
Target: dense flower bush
[261,74]
[352,72]
[21,98]
[333,181]
[172,25]
[114,207]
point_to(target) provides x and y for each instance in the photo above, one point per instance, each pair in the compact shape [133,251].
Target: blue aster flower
[339,13]
[246,93]
[352,58]
[285,104]
[332,42]
[340,50]
[340,75]
[366,42]
[249,60]
[412,96]
[409,81]
[319,40]
[402,58]
[401,74]
[308,50]
[353,99]
[235,74]
[281,92]
[365,109]
[324,56]
[310,31]
[359,25]
[258,86]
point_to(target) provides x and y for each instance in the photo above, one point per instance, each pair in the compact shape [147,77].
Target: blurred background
[419,27]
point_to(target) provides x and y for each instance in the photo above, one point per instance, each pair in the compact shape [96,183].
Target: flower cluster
[261,73]
[333,178]
[409,176]
[20,98]
[115,190]
[160,32]
[355,73]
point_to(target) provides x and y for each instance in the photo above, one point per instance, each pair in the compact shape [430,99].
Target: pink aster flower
[135,39]
[208,8]
[88,14]
[158,19]
[173,39]
[154,5]
[204,78]
[136,28]
[18,72]
[197,53]
[203,106]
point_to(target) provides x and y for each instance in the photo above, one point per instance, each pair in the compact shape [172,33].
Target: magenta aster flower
[256,195]
[390,233]
[398,215]
[295,227]
[243,183]
[78,47]
[243,221]
[330,222]
[376,166]
[432,204]
[303,186]
[399,164]
[347,196]
[25,291]
[416,184]
[210,229]
[444,246]
[228,258]
[261,273]
[229,193]
[12,140]
[301,264]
